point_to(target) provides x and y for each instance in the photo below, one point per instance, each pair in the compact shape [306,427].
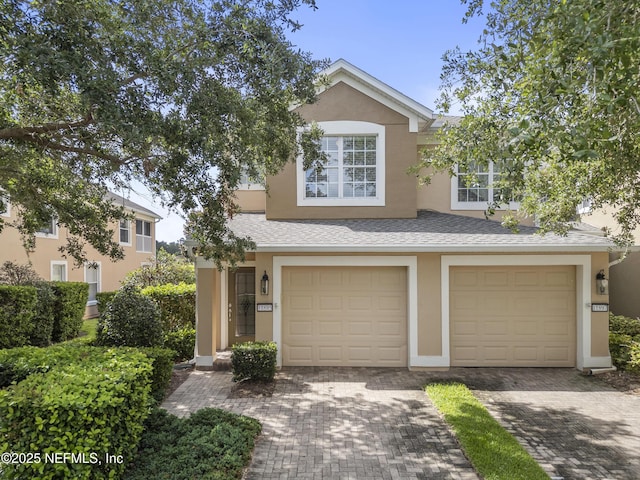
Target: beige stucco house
[137,238]
[367,268]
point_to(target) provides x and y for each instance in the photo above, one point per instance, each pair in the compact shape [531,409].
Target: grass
[494,452]
[211,444]
[88,330]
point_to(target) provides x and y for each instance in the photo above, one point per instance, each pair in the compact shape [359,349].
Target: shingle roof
[430,231]
[125,202]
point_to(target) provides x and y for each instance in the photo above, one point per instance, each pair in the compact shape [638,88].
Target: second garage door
[513,316]
[344,316]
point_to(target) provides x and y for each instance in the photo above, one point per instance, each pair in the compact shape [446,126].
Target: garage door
[513,316]
[344,316]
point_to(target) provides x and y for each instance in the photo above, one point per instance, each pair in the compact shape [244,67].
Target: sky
[398,42]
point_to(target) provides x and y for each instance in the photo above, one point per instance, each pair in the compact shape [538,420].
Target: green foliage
[71,300]
[166,268]
[182,342]
[162,363]
[633,365]
[173,248]
[103,299]
[17,308]
[551,91]
[180,96]
[491,449]
[177,304]
[15,274]
[620,349]
[94,406]
[624,325]
[254,361]
[44,315]
[210,445]
[131,319]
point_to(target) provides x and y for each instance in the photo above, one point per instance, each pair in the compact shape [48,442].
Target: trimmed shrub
[44,315]
[17,308]
[177,304]
[254,361]
[166,268]
[619,347]
[182,342]
[94,407]
[633,365]
[210,444]
[103,299]
[131,319]
[162,363]
[625,325]
[71,300]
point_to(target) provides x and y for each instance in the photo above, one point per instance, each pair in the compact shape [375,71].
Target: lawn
[88,330]
[492,450]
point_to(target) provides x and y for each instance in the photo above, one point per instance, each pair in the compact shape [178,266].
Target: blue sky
[399,42]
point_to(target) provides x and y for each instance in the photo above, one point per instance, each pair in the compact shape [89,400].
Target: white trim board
[583,296]
[410,262]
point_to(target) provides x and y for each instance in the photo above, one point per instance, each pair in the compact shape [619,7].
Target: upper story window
[481,192]
[143,236]
[249,183]
[48,229]
[125,232]
[354,171]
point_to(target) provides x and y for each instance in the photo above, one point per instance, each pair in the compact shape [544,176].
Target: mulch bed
[622,381]
[253,389]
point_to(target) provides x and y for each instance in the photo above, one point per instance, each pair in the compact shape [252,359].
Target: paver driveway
[367,423]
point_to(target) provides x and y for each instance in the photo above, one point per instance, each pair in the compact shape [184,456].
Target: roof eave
[275,248]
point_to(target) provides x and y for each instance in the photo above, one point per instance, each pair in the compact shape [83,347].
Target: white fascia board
[426,249]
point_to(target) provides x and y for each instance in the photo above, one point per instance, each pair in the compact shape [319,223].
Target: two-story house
[136,237]
[357,265]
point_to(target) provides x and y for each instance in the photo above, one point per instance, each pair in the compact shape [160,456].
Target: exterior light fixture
[264,284]
[602,284]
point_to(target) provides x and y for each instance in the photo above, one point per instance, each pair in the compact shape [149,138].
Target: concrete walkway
[371,423]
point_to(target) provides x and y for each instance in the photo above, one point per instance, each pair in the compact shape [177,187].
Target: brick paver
[370,423]
[342,423]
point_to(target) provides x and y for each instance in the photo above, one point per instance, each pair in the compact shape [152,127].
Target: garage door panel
[531,321]
[356,316]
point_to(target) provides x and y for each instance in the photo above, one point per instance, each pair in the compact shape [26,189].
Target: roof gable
[420,117]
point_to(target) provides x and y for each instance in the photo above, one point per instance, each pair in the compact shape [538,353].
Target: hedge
[253,361]
[182,342]
[44,317]
[162,363]
[94,407]
[177,304]
[103,299]
[17,307]
[71,300]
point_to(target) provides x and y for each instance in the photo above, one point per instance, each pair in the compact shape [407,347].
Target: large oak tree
[553,93]
[180,95]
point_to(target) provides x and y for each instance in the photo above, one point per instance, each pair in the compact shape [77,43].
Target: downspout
[620,259]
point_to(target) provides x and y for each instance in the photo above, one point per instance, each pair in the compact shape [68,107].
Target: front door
[242,305]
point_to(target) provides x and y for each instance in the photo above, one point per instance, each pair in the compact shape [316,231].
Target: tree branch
[25,132]
[70,149]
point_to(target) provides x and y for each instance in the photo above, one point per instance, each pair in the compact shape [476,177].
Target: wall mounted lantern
[602,284]
[264,284]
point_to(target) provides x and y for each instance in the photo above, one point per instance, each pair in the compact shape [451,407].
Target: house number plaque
[265,307]
[599,307]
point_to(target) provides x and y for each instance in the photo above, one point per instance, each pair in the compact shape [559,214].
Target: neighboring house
[357,265]
[624,272]
[137,238]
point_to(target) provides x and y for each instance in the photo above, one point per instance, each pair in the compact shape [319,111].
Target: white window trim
[59,262]
[458,205]
[151,236]
[125,244]
[99,287]
[53,235]
[346,128]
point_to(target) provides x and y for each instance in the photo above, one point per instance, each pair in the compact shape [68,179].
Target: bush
[16,364]
[71,300]
[131,319]
[182,342]
[17,307]
[210,444]
[619,347]
[624,325]
[103,299]
[44,315]
[166,268]
[93,407]
[162,363]
[177,304]
[15,274]
[254,361]
[633,364]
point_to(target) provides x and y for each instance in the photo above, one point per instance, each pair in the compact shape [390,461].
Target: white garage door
[513,316]
[344,316]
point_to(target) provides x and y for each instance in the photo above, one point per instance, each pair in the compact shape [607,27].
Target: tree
[165,268]
[553,94]
[174,248]
[180,95]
